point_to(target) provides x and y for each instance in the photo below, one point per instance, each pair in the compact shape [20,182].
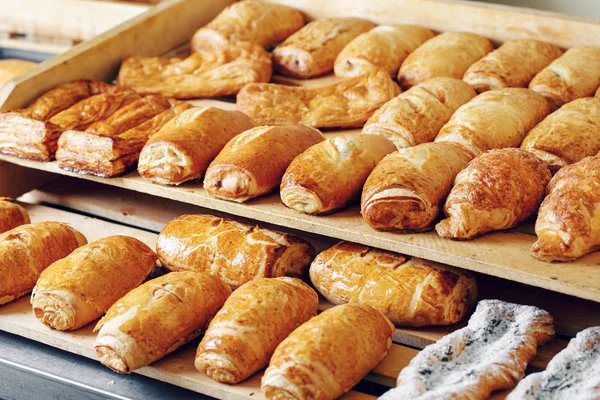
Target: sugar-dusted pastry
[349,102]
[417,115]
[498,190]
[407,189]
[568,135]
[574,373]
[312,50]
[156,318]
[231,250]
[11,214]
[407,290]
[242,337]
[384,46]
[183,148]
[514,64]
[254,162]
[490,353]
[448,54]
[573,75]
[568,222]
[326,356]
[79,288]
[27,250]
[495,119]
[11,67]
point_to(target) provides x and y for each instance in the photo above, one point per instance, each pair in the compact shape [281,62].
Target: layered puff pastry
[349,102]
[384,46]
[156,318]
[79,288]
[514,64]
[448,54]
[498,190]
[568,135]
[409,291]
[312,50]
[568,222]
[417,115]
[490,353]
[242,337]
[11,214]
[331,174]
[183,148]
[407,189]
[254,162]
[235,252]
[27,250]
[10,68]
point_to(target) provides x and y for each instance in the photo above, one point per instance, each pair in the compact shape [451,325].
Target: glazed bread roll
[495,119]
[235,252]
[254,162]
[242,337]
[406,189]
[182,149]
[384,46]
[312,50]
[331,174]
[498,190]
[81,287]
[326,356]
[417,115]
[408,291]
[514,64]
[156,318]
[10,68]
[27,250]
[448,54]
[11,215]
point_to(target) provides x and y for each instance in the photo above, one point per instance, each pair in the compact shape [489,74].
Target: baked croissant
[11,215]
[10,68]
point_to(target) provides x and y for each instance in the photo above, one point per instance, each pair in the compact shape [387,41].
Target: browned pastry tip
[11,214]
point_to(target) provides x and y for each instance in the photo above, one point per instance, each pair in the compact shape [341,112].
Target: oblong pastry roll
[27,250]
[514,64]
[406,189]
[407,290]
[82,286]
[312,50]
[11,215]
[498,190]
[568,224]
[326,356]
[384,46]
[495,119]
[156,318]
[235,252]
[417,115]
[242,337]
[182,149]
[254,162]
[448,54]
[331,174]
[10,68]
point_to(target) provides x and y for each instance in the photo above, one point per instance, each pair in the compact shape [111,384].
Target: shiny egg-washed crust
[235,252]
[349,102]
[573,75]
[312,50]
[326,356]
[407,188]
[242,337]
[79,288]
[498,190]
[254,162]
[568,135]
[11,68]
[568,223]
[330,175]
[11,215]
[490,353]
[156,318]
[27,250]
[409,291]
[417,115]
[448,54]
[183,148]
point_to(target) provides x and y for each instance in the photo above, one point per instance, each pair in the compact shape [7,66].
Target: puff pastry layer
[10,68]
[11,215]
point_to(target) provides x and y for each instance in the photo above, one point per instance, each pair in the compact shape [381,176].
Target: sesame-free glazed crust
[11,214]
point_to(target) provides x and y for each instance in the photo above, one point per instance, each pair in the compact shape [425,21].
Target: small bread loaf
[10,68]
[11,215]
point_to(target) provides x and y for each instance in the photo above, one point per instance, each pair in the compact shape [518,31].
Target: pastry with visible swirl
[11,214]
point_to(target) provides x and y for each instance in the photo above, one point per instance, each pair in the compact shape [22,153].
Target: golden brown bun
[11,68]
[11,215]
